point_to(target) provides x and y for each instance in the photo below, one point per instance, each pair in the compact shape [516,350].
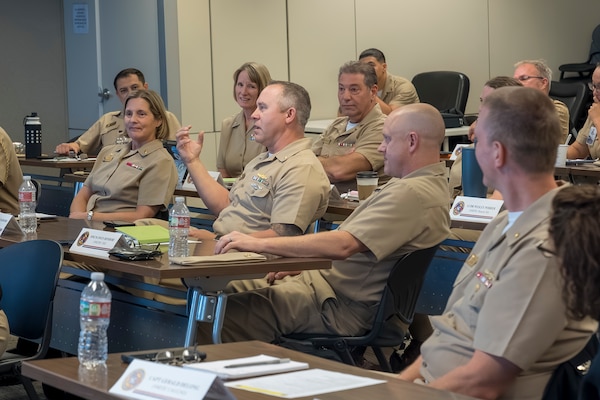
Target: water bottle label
[94,310]
[26,196]
[179,222]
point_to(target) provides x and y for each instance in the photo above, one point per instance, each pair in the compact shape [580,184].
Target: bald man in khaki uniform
[410,212]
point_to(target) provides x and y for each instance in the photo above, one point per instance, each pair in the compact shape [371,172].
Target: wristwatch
[90,215]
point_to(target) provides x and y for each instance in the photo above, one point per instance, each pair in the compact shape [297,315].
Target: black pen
[259,363]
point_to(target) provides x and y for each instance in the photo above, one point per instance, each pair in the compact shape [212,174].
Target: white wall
[306,41]
[302,40]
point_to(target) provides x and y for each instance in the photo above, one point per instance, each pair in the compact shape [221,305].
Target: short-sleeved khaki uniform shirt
[123,178]
[288,187]
[364,138]
[237,146]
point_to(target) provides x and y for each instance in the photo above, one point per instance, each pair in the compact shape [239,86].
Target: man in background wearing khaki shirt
[537,74]
[392,91]
[349,144]
[110,128]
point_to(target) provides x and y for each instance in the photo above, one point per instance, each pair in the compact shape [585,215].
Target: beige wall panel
[244,31]
[555,30]
[189,68]
[195,69]
[322,38]
[33,69]
[427,35]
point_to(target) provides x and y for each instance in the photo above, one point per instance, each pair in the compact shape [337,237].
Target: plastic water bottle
[94,318]
[179,227]
[27,204]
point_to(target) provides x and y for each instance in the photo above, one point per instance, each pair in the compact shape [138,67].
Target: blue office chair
[444,267]
[28,275]
[395,310]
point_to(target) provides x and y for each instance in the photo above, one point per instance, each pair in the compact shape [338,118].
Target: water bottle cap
[97,276]
[179,199]
[26,177]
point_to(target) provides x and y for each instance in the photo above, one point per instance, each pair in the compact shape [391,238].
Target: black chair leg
[31,393]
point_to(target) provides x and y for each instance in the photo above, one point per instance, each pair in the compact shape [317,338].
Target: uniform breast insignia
[592,136]
[472,260]
[260,178]
[345,144]
[486,277]
[108,157]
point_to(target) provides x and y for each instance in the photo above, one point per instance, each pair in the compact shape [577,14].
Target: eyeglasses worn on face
[593,86]
[524,78]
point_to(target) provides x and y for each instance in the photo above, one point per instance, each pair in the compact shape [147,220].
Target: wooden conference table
[203,280]
[60,163]
[63,374]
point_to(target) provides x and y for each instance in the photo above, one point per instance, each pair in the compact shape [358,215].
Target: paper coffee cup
[366,182]
[561,155]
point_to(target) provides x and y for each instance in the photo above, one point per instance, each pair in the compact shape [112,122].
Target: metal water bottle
[33,136]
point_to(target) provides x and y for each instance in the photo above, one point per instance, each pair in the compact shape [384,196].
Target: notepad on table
[256,366]
[146,233]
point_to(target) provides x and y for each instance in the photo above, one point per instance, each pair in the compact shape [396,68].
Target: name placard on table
[475,209]
[9,223]
[94,242]
[147,380]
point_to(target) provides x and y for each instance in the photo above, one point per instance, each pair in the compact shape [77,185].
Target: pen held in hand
[259,363]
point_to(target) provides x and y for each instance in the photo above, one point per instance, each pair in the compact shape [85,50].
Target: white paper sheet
[303,383]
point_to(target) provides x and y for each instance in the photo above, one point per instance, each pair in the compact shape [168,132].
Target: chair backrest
[445,90]
[28,274]
[444,267]
[574,95]
[401,292]
[595,46]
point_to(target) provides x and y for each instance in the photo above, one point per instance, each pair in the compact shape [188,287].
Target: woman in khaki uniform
[237,146]
[133,180]
[587,143]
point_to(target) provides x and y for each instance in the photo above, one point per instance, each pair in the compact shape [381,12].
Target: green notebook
[146,233]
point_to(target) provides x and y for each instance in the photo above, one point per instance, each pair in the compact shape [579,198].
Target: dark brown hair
[575,230]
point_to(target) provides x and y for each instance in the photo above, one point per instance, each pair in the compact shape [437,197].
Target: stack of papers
[248,366]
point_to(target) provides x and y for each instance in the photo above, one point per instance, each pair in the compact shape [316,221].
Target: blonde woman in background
[237,146]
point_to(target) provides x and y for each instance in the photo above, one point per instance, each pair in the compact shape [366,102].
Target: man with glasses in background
[586,143]
[537,75]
